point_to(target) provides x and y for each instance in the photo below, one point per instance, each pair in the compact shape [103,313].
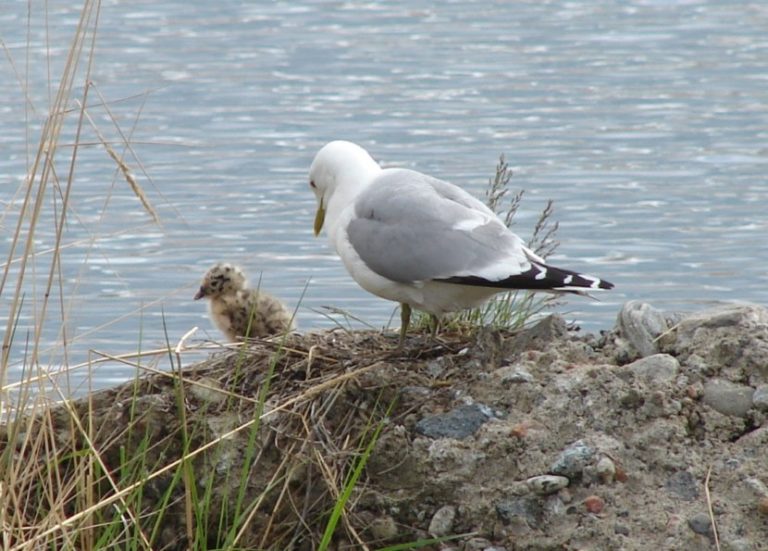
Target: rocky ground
[651,436]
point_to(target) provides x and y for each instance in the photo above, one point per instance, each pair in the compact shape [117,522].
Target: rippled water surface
[646,122]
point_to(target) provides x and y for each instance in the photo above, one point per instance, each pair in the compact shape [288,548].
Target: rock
[546,484]
[527,509]
[459,423]
[640,323]
[606,470]
[701,524]
[208,391]
[442,521]
[658,368]
[572,460]
[760,398]
[512,374]
[737,545]
[594,504]
[762,505]
[621,529]
[537,337]
[683,485]
[728,338]
[477,544]
[728,398]
[757,486]
[383,528]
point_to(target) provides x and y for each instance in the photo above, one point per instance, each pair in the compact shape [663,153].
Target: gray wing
[410,227]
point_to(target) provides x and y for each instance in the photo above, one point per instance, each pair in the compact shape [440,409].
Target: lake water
[646,122]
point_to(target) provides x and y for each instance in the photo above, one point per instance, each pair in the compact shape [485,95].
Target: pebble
[546,484]
[738,545]
[573,459]
[701,524]
[514,375]
[477,544]
[383,528]
[442,521]
[760,398]
[762,505]
[528,509]
[458,423]
[606,470]
[757,486]
[683,485]
[728,398]
[594,504]
[208,391]
[658,368]
[621,529]
[640,323]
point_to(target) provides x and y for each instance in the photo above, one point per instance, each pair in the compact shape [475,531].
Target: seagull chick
[238,311]
[423,242]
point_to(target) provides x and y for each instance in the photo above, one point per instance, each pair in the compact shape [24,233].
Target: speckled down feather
[239,311]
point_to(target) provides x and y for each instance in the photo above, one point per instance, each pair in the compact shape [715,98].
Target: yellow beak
[319,218]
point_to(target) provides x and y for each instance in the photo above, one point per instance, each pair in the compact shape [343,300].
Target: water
[646,122]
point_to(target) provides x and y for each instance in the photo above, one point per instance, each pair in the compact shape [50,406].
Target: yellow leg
[405,320]
[435,325]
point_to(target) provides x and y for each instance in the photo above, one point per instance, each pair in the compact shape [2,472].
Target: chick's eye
[312,184]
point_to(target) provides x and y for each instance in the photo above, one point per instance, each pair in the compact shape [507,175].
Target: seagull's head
[339,165]
[221,279]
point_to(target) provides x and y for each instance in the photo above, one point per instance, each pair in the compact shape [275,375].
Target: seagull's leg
[435,325]
[405,320]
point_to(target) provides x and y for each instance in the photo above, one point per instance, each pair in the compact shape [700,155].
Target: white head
[338,164]
[221,279]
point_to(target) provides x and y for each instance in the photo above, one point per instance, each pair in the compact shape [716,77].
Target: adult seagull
[423,242]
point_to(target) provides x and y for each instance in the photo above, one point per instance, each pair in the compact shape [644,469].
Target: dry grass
[249,449]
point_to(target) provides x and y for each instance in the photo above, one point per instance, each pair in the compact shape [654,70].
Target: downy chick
[239,311]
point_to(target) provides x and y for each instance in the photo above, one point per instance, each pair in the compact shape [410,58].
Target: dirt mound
[544,439]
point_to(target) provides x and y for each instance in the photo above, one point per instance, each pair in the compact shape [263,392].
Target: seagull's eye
[312,184]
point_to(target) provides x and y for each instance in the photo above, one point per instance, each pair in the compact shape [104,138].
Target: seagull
[239,311]
[425,243]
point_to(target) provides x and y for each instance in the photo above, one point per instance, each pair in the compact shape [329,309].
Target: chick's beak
[200,293]
[319,218]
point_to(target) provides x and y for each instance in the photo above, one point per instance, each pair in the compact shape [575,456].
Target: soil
[544,439]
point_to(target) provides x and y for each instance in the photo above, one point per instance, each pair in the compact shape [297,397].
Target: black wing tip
[607,285]
[539,278]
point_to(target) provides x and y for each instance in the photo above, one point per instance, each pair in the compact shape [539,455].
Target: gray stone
[528,509]
[760,398]
[738,545]
[458,423]
[208,391]
[383,528]
[701,524]
[442,521]
[640,323]
[515,375]
[728,398]
[734,337]
[540,335]
[573,459]
[606,469]
[621,529]
[658,368]
[477,544]
[683,485]
[546,484]
[757,486]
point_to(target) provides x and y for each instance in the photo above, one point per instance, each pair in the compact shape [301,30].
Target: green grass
[515,309]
